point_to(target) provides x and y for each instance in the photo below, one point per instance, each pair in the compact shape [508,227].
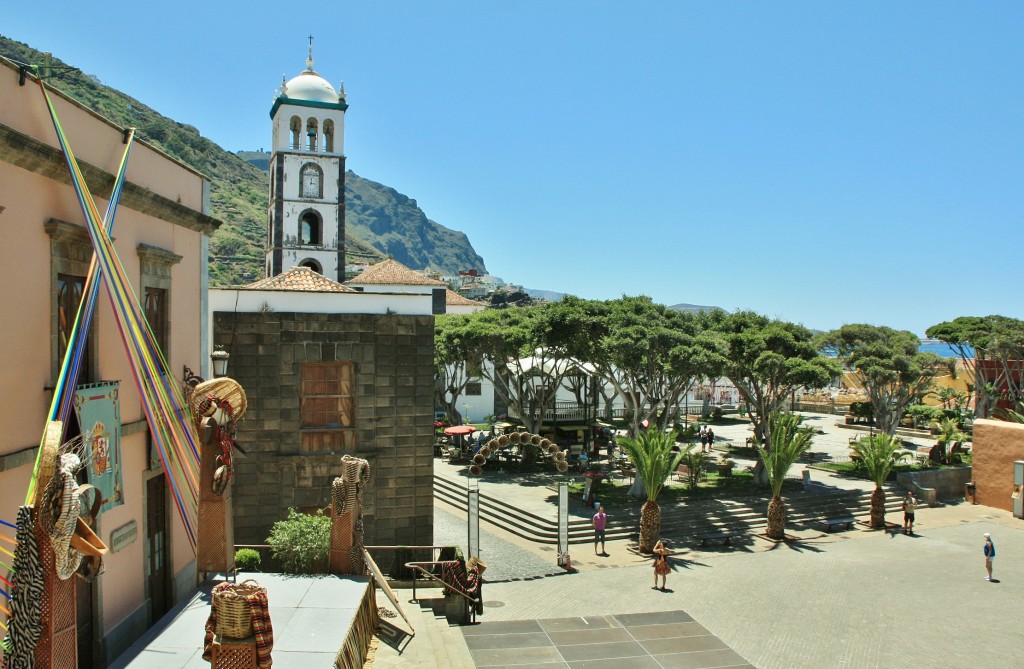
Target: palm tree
[787,441]
[949,433]
[878,455]
[651,453]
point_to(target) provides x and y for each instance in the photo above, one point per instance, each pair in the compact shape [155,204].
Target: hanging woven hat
[207,396]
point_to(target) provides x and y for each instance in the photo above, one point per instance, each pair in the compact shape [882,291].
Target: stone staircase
[436,644]
[679,521]
[517,521]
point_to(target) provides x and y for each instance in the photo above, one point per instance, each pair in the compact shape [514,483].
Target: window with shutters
[327,407]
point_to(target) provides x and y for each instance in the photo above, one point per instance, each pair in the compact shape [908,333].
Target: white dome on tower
[310,86]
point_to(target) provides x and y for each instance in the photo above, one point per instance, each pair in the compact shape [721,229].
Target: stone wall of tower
[393,380]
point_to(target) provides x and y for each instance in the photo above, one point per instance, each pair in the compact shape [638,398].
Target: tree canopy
[992,349]
[649,353]
[767,360]
[894,373]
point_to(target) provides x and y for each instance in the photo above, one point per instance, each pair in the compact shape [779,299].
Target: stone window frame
[71,255]
[155,266]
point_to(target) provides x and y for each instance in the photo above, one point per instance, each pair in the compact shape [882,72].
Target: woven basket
[535,440]
[225,389]
[479,459]
[234,620]
[475,470]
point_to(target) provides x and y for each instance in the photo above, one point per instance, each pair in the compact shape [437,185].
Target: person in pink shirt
[600,522]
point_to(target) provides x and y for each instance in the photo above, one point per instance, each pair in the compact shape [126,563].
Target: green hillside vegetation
[379,221]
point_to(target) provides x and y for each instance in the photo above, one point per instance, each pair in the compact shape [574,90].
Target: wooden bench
[725,536]
[682,473]
[836,522]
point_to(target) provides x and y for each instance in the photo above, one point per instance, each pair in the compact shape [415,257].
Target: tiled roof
[453,298]
[394,273]
[300,279]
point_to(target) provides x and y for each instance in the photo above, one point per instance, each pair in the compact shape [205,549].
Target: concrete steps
[436,644]
[807,510]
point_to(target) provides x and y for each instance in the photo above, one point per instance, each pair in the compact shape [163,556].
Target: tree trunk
[776,518]
[650,525]
[878,507]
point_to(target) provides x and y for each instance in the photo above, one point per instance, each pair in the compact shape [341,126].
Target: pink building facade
[161,237]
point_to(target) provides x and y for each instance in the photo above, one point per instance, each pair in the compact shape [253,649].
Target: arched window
[329,136]
[311,181]
[311,133]
[296,127]
[310,226]
[312,264]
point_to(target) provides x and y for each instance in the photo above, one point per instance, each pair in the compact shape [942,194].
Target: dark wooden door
[158,548]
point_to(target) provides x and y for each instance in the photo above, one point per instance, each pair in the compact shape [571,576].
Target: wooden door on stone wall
[327,407]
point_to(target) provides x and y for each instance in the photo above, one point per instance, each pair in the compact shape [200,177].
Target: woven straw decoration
[234,620]
[224,389]
[475,470]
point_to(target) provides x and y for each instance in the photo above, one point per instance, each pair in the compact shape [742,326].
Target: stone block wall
[393,359]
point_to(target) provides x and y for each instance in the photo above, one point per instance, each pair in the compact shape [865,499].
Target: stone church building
[329,369]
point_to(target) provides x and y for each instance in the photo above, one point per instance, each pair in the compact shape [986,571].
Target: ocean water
[940,349]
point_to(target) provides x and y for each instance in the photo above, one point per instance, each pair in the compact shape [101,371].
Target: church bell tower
[306,217]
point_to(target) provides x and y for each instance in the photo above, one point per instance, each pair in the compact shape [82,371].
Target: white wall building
[306,217]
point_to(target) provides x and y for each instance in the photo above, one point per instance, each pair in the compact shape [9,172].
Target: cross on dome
[309,58]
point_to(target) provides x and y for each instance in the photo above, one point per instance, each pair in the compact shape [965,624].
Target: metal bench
[724,536]
[836,522]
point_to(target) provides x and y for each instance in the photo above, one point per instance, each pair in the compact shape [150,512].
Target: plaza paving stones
[639,640]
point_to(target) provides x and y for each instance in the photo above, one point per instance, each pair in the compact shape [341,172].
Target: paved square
[638,640]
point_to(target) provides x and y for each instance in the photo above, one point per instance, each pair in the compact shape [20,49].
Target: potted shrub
[247,559]
[302,542]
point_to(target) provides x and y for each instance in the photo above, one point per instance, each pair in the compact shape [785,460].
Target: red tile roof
[453,298]
[300,279]
[391,272]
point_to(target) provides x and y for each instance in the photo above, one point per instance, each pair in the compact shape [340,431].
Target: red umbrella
[460,429]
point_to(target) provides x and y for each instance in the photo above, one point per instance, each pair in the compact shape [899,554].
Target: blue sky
[824,163]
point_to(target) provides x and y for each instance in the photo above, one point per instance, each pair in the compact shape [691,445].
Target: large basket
[234,620]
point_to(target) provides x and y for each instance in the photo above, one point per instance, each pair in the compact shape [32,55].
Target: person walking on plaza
[909,506]
[710,434]
[661,567]
[600,522]
[990,555]
[703,439]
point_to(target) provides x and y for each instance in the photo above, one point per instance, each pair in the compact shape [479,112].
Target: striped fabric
[25,625]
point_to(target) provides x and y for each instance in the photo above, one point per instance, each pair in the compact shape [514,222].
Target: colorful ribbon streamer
[169,422]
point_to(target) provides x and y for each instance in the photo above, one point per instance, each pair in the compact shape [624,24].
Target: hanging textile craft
[99,414]
[26,598]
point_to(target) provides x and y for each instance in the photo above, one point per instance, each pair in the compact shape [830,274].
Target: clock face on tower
[310,184]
